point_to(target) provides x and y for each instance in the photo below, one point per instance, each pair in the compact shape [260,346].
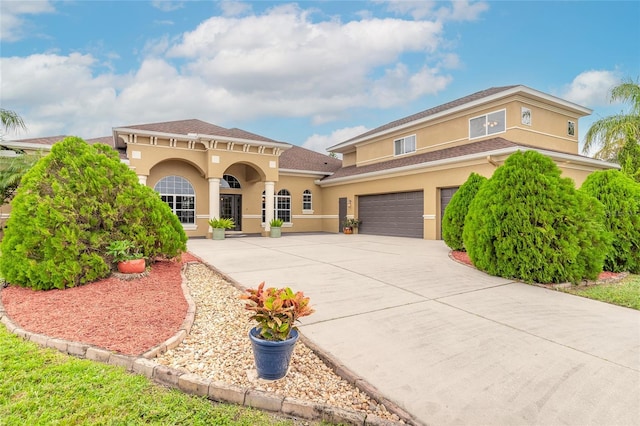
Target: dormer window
[404,145]
[489,124]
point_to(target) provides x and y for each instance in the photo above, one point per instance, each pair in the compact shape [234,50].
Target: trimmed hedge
[70,206]
[456,211]
[528,223]
[620,195]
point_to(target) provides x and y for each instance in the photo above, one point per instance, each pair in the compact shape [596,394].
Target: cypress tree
[456,211]
[620,196]
[528,223]
[70,206]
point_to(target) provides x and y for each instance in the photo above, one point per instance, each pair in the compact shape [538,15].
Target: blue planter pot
[272,358]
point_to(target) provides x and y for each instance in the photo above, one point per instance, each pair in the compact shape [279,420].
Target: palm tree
[12,168]
[11,120]
[612,133]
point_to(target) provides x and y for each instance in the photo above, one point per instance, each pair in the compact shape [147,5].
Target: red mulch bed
[463,257]
[129,317]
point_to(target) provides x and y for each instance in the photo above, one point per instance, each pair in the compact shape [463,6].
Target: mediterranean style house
[397,179]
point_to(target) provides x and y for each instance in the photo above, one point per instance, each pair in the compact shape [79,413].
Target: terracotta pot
[348,230]
[135,266]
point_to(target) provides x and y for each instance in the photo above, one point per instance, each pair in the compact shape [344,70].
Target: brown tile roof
[184,127]
[432,111]
[409,160]
[298,158]
[107,140]
[48,140]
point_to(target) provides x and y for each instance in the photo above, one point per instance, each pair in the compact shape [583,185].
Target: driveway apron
[450,344]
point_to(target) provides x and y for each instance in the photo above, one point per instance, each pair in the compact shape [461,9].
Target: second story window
[404,145]
[489,124]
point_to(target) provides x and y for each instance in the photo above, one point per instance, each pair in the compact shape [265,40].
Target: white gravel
[218,348]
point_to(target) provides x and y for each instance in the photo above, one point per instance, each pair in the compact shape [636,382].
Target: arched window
[282,206]
[306,200]
[229,181]
[178,193]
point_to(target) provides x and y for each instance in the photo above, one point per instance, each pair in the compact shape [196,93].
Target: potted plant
[127,256]
[275,228]
[276,311]
[350,224]
[220,225]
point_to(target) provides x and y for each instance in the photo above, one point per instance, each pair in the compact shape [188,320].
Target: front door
[342,213]
[231,206]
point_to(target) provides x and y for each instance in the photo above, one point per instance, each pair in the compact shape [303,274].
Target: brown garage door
[398,214]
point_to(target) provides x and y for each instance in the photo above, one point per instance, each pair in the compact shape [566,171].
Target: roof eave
[26,145]
[576,159]
[305,172]
[198,136]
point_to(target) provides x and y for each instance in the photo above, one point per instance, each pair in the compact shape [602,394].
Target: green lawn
[625,293]
[40,386]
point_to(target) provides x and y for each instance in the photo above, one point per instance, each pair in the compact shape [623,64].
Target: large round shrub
[70,206]
[528,223]
[456,211]
[620,195]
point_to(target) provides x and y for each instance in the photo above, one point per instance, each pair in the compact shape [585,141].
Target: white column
[214,199]
[268,204]
[142,179]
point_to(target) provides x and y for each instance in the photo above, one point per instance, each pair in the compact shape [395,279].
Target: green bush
[456,211]
[620,196]
[528,223]
[67,210]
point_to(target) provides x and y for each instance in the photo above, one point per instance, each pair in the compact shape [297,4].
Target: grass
[40,386]
[626,293]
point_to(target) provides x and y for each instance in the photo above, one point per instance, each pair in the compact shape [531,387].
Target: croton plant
[276,310]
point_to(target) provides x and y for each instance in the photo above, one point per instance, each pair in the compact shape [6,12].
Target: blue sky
[308,73]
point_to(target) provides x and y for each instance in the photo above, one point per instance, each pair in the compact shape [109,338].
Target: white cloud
[459,10]
[61,93]
[295,66]
[320,143]
[12,25]
[591,88]
[281,63]
[234,8]
[167,5]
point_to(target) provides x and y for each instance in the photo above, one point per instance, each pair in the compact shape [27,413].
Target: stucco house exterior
[397,178]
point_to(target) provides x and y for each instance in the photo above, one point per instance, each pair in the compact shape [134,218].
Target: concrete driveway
[449,344]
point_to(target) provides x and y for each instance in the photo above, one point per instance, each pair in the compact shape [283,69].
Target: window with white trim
[306,200]
[489,124]
[282,206]
[178,193]
[404,145]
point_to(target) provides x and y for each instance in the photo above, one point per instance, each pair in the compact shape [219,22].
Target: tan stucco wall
[548,130]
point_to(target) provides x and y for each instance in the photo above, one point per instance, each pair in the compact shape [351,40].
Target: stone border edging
[216,391]
[341,370]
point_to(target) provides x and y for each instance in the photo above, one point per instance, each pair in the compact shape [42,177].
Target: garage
[398,214]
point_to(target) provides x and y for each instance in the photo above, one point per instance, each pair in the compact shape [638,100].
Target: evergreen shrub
[456,211]
[528,223]
[620,195]
[70,206]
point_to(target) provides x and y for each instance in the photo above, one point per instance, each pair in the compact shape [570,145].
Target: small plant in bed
[126,255]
